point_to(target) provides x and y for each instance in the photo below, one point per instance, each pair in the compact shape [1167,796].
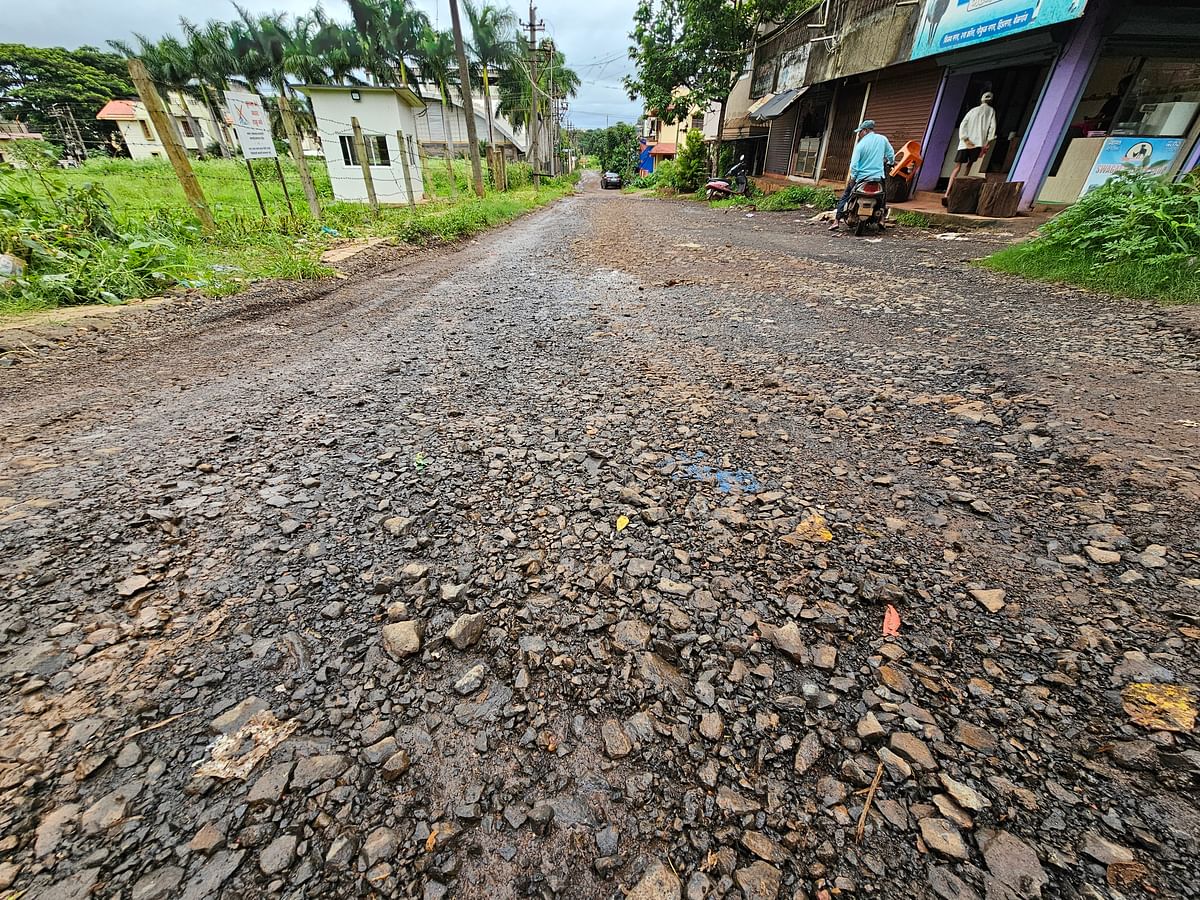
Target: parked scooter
[867,206]
[733,184]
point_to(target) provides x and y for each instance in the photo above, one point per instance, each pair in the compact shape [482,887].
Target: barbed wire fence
[228,191]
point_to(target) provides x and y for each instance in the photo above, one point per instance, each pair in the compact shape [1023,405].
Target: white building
[10,132]
[381,112]
[142,141]
[436,125]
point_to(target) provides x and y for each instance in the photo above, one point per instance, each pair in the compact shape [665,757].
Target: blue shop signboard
[946,25]
[1132,154]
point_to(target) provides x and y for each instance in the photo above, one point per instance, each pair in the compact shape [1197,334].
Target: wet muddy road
[560,564]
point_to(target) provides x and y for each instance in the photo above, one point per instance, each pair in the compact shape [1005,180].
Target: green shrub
[725,163]
[798,197]
[1133,218]
[1136,234]
[664,178]
[691,164]
[75,248]
[520,175]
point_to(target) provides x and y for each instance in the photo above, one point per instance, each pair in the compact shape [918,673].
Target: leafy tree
[212,56]
[615,147]
[33,79]
[555,81]
[172,66]
[700,45]
[391,33]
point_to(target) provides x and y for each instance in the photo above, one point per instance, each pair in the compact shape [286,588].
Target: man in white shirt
[975,136]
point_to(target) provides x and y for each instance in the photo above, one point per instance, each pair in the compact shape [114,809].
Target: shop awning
[743,123]
[778,104]
[662,150]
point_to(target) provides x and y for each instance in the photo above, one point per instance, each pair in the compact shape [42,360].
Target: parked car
[610,180]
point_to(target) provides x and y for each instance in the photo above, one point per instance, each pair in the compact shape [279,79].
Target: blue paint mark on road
[696,467]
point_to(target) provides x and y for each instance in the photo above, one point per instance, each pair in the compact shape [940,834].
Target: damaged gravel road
[560,565]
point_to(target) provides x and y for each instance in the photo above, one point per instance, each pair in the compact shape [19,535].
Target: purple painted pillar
[1060,97]
[1192,161]
[942,123]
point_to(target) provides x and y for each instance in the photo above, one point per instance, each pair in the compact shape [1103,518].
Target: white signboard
[252,123]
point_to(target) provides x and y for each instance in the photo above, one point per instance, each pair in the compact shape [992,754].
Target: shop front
[799,119]
[1138,112]
[1124,96]
[1085,90]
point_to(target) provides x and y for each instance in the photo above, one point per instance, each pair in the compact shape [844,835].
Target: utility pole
[73,145]
[464,85]
[171,143]
[534,27]
[360,148]
[293,136]
[73,126]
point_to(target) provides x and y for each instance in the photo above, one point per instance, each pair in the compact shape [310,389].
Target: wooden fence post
[293,136]
[408,188]
[171,143]
[425,179]
[360,147]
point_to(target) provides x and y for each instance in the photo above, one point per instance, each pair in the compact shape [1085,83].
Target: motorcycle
[867,206]
[733,184]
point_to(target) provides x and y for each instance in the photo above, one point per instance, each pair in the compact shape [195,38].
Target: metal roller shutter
[780,141]
[901,101]
[847,112]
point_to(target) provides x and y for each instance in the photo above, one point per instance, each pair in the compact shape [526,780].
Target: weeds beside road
[113,230]
[1134,237]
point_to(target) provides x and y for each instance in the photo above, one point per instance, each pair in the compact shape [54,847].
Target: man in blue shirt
[872,155]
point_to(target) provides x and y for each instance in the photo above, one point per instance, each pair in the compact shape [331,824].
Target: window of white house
[186,126]
[698,122]
[146,135]
[377,150]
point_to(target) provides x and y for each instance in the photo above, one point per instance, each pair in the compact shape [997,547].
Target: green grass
[910,218]
[1137,235]
[1044,262]
[734,201]
[145,199]
[798,197]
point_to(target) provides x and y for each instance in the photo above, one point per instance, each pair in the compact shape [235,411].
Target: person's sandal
[945,201]
[835,226]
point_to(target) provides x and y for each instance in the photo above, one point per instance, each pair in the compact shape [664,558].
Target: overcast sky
[593,34]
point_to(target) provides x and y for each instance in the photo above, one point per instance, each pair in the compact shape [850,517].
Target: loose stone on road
[556,564]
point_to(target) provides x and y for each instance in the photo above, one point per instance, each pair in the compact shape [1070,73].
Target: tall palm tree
[391,32]
[438,65]
[258,45]
[339,47]
[301,55]
[262,45]
[493,46]
[172,66]
[212,59]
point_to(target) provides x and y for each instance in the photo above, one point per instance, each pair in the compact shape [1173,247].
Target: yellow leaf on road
[813,529]
[1160,707]
[622,521]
